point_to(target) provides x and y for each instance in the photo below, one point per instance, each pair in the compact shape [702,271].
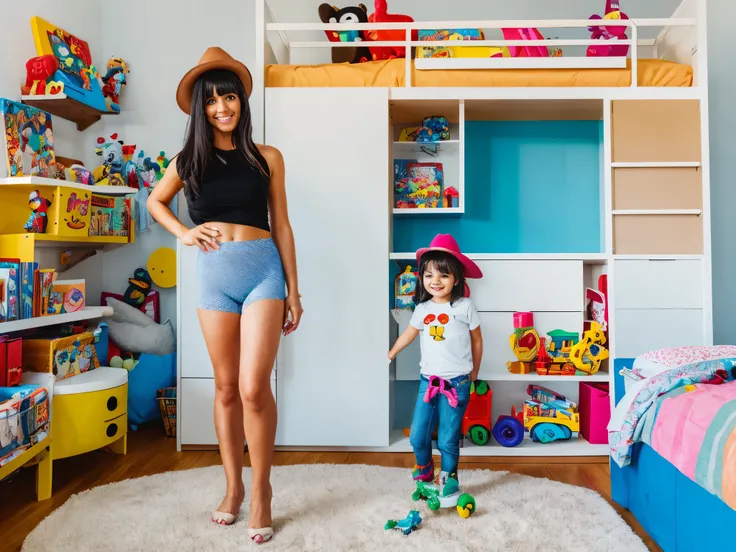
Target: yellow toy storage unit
[89,408]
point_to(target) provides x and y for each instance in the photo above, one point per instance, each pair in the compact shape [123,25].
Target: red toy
[477,419]
[38,71]
[381,15]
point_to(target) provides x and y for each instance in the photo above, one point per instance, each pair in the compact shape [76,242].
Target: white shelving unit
[41,181]
[88,313]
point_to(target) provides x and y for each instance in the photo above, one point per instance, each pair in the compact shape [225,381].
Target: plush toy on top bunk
[359,14]
[609,33]
[349,14]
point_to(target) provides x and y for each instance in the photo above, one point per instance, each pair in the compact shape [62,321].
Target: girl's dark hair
[195,156]
[445,264]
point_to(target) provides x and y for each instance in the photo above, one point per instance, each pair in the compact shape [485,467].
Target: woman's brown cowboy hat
[213,58]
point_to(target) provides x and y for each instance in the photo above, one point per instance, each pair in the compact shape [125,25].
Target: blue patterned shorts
[239,273]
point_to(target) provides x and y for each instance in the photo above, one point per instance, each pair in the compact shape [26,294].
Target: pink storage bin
[595,412]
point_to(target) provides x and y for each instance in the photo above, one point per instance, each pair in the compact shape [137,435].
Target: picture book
[29,140]
[3,310]
[47,277]
[66,296]
[10,272]
[27,271]
[109,216]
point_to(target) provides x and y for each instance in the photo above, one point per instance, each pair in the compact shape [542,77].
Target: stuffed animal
[138,288]
[349,14]
[381,15]
[38,220]
[608,35]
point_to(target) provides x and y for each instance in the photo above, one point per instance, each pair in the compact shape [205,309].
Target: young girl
[451,349]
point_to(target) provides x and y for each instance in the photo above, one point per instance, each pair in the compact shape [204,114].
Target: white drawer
[638,331]
[509,286]
[497,328]
[196,405]
[658,284]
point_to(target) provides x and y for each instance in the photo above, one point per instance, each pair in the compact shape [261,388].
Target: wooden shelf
[41,181]
[88,313]
[417,146]
[589,257]
[65,107]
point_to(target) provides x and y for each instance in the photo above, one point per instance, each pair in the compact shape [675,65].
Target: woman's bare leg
[221,334]
[260,328]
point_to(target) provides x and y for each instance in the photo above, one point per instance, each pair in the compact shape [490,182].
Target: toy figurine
[610,34]
[446,496]
[38,221]
[38,72]
[140,285]
[115,80]
[406,525]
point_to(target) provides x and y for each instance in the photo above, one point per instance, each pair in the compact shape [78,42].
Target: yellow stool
[89,411]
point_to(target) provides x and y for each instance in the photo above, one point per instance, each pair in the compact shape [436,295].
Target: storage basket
[167,405]
[595,412]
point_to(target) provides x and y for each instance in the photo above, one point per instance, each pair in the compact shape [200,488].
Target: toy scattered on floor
[411,522]
[115,80]
[38,220]
[609,34]
[445,496]
[547,416]
[405,287]
[29,140]
[476,424]
[347,15]
[161,266]
[138,287]
[76,76]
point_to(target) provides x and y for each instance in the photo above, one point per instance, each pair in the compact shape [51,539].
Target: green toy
[447,497]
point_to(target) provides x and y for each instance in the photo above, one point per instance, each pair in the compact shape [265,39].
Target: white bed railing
[407,44]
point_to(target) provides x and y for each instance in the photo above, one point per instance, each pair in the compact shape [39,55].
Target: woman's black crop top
[231,191]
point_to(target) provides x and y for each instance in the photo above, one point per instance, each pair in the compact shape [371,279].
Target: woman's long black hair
[195,155]
[445,264]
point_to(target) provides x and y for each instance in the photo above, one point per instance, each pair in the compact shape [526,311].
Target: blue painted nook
[531,187]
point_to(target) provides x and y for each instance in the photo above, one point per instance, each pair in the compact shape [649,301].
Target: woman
[236,197]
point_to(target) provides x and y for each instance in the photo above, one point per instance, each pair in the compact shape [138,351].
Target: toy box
[595,412]
[29,140]
[11,361]
[64,357]
[24,419]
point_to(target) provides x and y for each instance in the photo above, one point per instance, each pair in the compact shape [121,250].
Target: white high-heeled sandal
[223,518]
[260,536]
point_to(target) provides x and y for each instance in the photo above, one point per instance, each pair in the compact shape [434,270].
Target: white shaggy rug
[326,507]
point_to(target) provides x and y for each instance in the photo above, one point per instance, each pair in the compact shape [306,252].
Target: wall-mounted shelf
[439,211]
[41,181]
[590,257]
[63,106]
[88,313]
[419,147]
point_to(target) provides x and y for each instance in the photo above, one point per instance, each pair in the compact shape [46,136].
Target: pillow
[136,332]
[655,362]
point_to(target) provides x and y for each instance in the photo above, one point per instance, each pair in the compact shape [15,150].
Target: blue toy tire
[548,432]
[508,431]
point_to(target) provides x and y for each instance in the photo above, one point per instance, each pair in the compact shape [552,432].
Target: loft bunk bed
[520,58]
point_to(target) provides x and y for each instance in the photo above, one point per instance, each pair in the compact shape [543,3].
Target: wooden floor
[149,452]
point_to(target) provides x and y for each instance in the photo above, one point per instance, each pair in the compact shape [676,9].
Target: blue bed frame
[677,513]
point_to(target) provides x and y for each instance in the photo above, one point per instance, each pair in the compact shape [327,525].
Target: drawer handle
[112,403]
[112,430]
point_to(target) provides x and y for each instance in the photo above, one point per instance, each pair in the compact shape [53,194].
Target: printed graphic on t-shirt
[436,324]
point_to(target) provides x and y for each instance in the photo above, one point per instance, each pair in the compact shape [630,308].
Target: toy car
[406,525]
[448,497]
[477,419]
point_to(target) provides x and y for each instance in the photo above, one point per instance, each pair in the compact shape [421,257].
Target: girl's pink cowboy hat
[446,243]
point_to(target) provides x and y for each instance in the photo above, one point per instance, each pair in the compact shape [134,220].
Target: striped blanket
[689,420]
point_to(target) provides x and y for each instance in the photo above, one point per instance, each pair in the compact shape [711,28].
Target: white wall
[79,17]
[173,36]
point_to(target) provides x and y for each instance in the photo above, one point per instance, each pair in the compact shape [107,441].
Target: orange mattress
[390,74]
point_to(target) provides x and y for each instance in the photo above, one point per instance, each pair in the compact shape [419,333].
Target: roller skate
[445,492]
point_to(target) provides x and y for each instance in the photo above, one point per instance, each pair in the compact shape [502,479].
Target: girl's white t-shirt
[445,337]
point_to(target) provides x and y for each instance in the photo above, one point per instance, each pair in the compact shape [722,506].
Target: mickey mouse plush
[349,14]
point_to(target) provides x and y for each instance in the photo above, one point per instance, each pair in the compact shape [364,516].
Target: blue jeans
[449,433]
